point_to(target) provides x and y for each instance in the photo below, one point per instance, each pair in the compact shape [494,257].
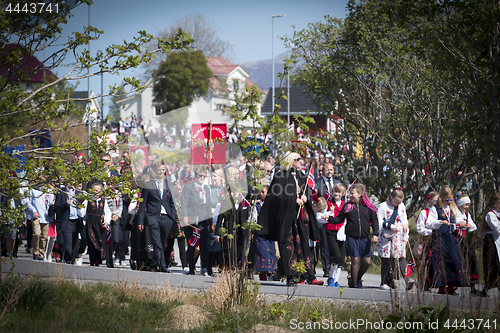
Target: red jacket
[331,226]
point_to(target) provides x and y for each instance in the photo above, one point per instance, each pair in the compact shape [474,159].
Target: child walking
[360,215]
[335,235]
[391,245]
[96,217]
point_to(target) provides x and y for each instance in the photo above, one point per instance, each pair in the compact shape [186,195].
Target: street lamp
[288,86]
[273,16]
[89,121]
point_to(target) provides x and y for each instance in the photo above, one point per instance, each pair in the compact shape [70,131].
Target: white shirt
[107,211]
[421,223]
[385,211]
[433,220]
[468,220]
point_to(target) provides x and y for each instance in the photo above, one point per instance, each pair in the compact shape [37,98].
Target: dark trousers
[159,234]
[188,231]
[66,240]
[336,248]
[80,239]
[389,270]
[118,239]
[204,246]
[324,250]
[29,234]
[181,243]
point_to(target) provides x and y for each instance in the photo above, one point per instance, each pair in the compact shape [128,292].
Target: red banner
[139,154]
[200,138]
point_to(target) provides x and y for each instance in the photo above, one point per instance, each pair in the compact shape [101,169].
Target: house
[300,104]
[227,79]
[80,101]
[28,70]
[31,74]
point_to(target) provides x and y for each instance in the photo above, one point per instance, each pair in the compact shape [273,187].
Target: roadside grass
[32,304]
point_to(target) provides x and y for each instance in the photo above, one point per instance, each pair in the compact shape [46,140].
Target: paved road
[24,265]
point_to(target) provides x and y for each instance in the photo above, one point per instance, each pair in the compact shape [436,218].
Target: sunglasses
[269,171]
[201,176]
[105,160]
[448,200]
[298,159]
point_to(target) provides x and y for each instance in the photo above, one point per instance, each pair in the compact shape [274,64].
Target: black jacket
[280,208]
[191,205]
[321,186]
[152,202]
[359,221]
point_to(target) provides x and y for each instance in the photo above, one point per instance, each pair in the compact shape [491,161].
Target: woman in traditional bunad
[447,260]
[96,219]
[287,216]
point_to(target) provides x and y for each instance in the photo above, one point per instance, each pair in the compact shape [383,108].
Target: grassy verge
[37,305]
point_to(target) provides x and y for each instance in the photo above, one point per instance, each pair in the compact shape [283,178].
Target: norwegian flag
[314,194]
[310,179]
[303,168]
[410,268]
[195,239]
[243,202]
[348,192]
[190,176]
[327,194]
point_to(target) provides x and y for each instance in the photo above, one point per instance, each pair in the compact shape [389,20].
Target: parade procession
[171,172]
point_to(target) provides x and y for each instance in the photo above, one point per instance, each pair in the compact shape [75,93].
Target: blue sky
[246,25]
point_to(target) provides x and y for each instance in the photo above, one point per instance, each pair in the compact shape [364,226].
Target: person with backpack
[393,236]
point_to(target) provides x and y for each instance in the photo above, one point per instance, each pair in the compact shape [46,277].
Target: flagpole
[209,151]
[303,190]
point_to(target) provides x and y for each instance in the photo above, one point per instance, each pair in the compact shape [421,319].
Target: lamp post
[288,85]
[273,16]
[89,121]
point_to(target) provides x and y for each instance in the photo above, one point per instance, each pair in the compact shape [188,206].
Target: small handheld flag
[195,238]
[410,268]
[310,179]
[314,195]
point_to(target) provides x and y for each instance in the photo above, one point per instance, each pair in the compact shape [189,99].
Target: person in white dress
[393,236]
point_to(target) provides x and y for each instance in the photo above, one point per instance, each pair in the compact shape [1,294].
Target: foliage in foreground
[129,307]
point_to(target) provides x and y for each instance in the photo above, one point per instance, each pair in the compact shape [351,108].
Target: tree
[204,33]
[399,104]
[179,80]
[50,100]
[114,108]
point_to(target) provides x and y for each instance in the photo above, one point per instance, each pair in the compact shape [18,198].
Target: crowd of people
[306,213]
[160,136]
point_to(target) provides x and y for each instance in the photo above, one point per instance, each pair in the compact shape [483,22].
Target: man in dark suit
[196,211]
[324,184]
[67,220]
[159,210]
